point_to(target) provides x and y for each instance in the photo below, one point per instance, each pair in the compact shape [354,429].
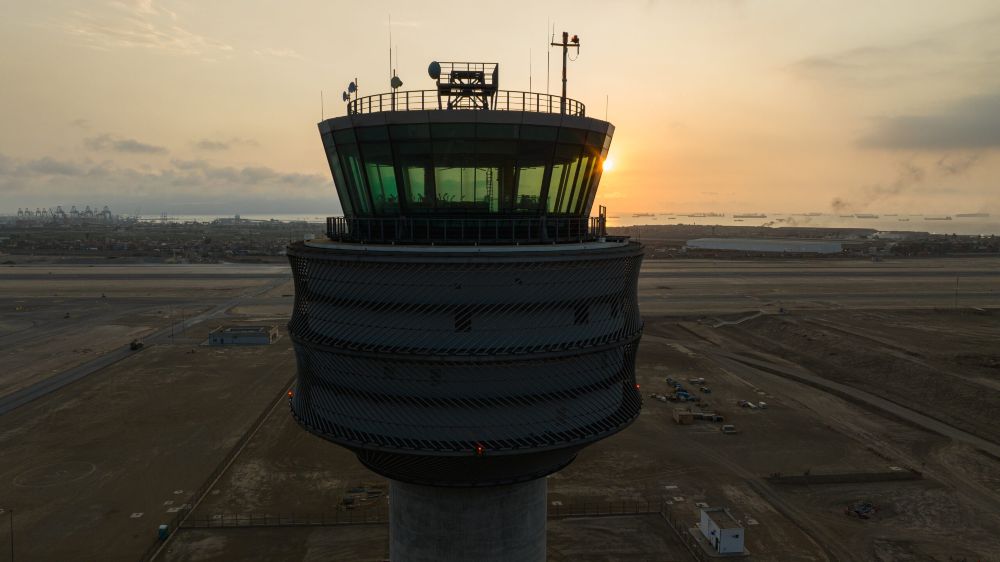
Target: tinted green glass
[574,136]
[453,131]
[350,159]
[566,158]
[372,134]
[381,177]
[595,139]
[568,188]
[496,131]
[486,188]
[534,132]
[529,188]
[420,131]
[338,175]
[344,136]
[580,184]
[415,188]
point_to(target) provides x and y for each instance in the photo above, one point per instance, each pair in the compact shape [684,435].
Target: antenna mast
[548,57]
[566,44]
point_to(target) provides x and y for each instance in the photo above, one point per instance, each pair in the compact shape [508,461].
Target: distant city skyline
[720,105]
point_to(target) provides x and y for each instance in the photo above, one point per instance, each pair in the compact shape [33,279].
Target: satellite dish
[352,87]
[395,82]
[345,96]
[434,70]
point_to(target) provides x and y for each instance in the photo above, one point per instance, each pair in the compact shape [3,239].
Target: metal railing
[473,230]
[502,100]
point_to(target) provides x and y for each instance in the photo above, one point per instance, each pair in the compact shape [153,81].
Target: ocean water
[957,225]
[919,223]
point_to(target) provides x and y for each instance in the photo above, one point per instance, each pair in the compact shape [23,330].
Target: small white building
[243,335]
[721,530]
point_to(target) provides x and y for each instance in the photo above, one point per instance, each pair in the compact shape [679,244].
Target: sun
[608,165]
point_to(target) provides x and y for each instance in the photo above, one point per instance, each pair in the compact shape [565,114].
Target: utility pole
[566,44]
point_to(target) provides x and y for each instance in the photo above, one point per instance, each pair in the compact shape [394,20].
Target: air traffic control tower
[466,328]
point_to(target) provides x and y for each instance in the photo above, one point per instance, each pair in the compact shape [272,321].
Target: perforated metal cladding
[430,355]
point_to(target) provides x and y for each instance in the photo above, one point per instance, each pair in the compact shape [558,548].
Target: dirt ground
[161,421]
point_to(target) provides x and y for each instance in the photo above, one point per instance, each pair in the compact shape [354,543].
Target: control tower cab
[466,328]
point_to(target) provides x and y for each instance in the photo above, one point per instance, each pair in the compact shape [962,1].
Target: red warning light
[480,450]
[290,394]
[637,386]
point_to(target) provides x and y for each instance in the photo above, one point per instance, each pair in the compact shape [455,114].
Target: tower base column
[429,523]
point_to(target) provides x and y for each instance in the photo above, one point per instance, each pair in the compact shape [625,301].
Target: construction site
[833,409]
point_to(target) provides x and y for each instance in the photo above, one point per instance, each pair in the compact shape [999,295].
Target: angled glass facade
[468,168]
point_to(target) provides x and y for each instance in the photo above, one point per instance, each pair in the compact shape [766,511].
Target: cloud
[205,144]
[283,53]
[49,167]
[142,24]
[961,53]
[956,166]
[218,145]
[969,123]
[908,175]
[131,146]
[189,183]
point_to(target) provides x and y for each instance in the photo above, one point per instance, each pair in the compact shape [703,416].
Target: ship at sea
[750,216]
[865,216]
[944,218]
[973,215]
[637,215]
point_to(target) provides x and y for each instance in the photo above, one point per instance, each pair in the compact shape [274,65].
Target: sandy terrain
[163,420]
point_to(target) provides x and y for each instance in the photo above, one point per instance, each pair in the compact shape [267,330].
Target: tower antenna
[566,44]
[322,112]
[529,71]
[548,56]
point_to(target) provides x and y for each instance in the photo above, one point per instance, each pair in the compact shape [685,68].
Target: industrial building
[243,335]
[767,245]
[722,531]
[466,328]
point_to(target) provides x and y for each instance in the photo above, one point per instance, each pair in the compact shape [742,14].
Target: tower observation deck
[466,328]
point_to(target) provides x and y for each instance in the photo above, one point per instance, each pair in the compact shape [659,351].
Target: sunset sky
[193,107]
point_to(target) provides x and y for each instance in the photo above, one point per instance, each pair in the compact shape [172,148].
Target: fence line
[174,523]
[380,515]
[680,528]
